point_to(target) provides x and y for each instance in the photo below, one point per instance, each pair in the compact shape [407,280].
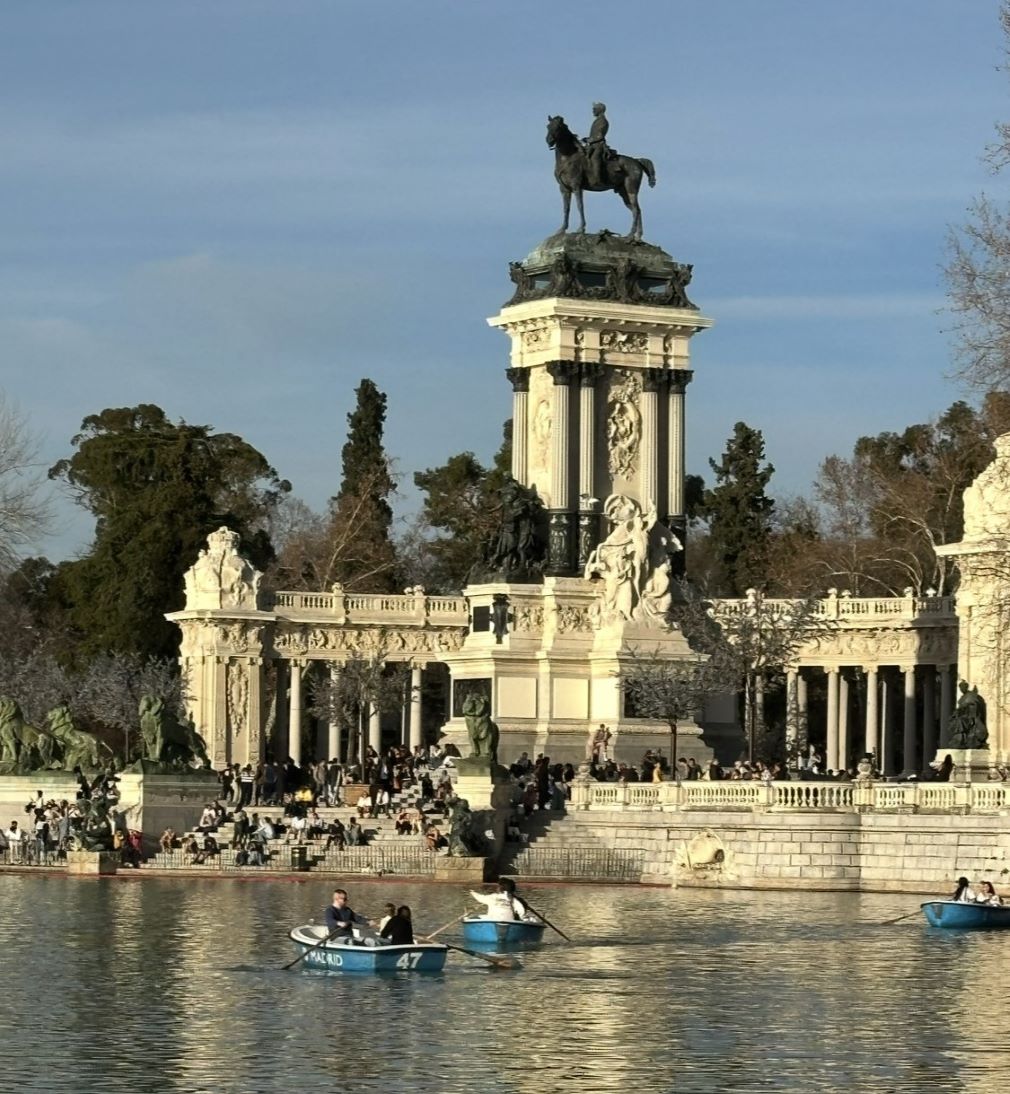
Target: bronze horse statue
[571,169]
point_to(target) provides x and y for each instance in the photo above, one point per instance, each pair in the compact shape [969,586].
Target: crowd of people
[50,827]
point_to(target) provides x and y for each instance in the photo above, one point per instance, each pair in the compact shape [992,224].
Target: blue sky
[237,209]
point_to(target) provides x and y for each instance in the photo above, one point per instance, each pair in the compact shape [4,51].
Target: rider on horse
[597,149]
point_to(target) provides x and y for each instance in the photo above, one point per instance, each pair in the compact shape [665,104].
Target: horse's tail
[649,169]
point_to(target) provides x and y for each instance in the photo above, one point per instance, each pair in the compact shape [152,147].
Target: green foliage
[739,512]
[362,556]
[157,488]
[460,501]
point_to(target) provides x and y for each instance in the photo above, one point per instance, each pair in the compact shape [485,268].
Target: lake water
[125,984]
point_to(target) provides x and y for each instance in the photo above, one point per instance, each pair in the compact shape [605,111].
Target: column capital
[679,379]
[590,372]
[519,378]
[562,372]
[652,378]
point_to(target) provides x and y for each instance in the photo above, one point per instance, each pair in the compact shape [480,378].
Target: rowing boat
[364,953]
[501,931]
[957,914]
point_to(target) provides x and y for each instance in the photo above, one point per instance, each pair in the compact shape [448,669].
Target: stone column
[589,518]
[792,718]
[254,722]
[374,728]
[911,760]
[946,700]
[279,740]
[872,739]
[831,746]
[333,750]
[650,438]
[416,678]
[295,715]
[675,519]
[802,709]
[886,728]
[928,714]
[843,722]
[560,547]
[520,380]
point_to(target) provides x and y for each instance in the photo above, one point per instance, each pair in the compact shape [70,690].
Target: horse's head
[556,128]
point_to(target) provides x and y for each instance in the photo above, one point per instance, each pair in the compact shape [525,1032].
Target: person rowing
[503,904]
[340,919]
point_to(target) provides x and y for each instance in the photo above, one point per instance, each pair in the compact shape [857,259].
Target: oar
[446,926]
[898,919]
[544,919]
[493,959]
[305,953]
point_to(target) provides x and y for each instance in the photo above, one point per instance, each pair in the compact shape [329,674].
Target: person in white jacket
[502,905]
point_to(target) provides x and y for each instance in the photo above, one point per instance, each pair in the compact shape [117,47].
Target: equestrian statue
[593,165]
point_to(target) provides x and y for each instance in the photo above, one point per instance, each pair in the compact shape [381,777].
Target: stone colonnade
[890,724]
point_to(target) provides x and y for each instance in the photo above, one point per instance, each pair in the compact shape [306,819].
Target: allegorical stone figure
[967,728]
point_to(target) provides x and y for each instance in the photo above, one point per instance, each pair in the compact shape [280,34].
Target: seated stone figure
[967,728]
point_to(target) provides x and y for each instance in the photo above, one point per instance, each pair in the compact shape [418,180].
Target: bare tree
[978,271]
[24,502]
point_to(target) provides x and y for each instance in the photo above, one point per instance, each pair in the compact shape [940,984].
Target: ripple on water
[176,985]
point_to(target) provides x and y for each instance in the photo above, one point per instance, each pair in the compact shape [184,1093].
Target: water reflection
[176,985]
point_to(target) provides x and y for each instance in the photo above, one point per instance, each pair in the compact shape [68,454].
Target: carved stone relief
[238,698]
[529,618]
[572,618]
[542,430]
[620,341]
[624,423]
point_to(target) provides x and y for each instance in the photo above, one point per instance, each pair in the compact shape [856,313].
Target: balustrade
[798,797]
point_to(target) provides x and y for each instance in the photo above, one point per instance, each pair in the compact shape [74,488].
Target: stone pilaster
[872,739]
[909,743]
[651,379]
[295,714]
[416,679]
[676,519]
[561,535]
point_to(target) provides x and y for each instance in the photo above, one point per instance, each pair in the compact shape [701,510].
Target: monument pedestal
[971,765]
[473,870]
[92,863]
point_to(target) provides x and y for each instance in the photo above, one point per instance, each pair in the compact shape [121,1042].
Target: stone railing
[794,797]
[375,608]
[865,611]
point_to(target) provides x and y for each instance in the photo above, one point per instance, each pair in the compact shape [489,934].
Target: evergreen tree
[363,557]
[460,501]
[157,489]
[739,513]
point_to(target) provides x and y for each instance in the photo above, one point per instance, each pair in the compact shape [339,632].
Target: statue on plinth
[633,563]
[482,730]
[967,728]
[593,165]
[166,740]
[79,748]
[23,748]
[221,577]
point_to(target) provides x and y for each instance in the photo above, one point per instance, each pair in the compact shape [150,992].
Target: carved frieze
[529,618]
[299,641]
[621,341]
[573,618]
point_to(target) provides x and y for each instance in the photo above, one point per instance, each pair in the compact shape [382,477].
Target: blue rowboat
[365,953]
[501,932]
[968,917]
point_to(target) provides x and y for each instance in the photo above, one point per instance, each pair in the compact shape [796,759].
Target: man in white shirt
[15,841]
[502,905]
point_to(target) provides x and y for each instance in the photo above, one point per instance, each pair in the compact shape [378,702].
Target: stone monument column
[416,679]
[792,718]
[831,744]
[843,722]
[650,439]
[560,548]
[374,728]
[872,740]
[520,380]
[676,519]
[333,751]
[909,743]
[295,714]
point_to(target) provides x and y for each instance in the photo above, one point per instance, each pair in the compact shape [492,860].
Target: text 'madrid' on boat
[957,914]
[364,952]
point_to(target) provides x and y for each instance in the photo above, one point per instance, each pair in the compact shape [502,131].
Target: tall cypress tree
[739,512]
[360,515]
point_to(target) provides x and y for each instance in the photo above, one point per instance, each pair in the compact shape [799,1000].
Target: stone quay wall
[840,846]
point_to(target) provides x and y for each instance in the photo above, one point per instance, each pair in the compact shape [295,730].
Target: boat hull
[952,914]
[357,956]
[501,932]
